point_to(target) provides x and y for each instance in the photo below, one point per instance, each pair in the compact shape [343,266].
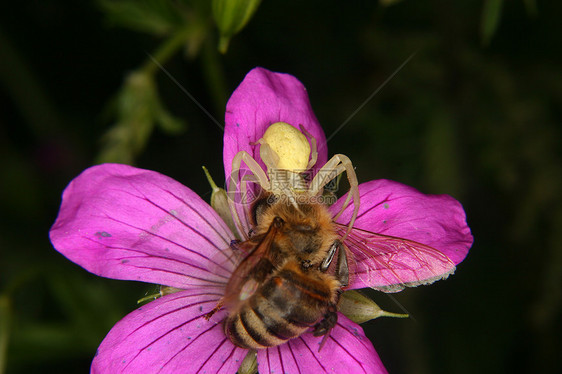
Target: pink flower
[121,222]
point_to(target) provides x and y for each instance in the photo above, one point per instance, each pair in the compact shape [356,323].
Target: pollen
[290,145]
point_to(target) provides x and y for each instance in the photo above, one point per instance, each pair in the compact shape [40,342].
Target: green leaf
[136,105]
[168,123]
[138,109]
[156,17]
[389,2]
[491,15]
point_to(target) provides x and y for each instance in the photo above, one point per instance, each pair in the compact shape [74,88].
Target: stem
[5,316]
[166,50]
[213,73]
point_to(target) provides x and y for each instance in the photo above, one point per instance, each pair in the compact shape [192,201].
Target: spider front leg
[334,167]
[260,178]
[313,148]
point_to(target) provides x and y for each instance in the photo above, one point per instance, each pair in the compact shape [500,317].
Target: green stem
[213,73]
[166,50]
[5,317]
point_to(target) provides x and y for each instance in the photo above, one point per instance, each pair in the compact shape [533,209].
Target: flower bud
[359,308]
[231,16]
[219,202]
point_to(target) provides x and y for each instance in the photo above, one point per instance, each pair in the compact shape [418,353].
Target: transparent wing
[253,267]
[389,264]
[241,285]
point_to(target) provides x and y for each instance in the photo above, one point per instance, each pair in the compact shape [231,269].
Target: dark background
[475,117]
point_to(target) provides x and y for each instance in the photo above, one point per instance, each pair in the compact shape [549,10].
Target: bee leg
[342,275]
[214,310]
[325,325]
[234,244]
[342,268]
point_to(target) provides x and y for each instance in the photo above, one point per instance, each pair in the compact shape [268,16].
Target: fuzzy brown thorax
[307,231]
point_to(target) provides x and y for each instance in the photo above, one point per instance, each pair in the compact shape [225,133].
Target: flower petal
[121,222]
[347,351]
[263,98]
[438,222]
[169,335]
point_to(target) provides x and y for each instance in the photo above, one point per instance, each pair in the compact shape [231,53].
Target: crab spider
[287,153]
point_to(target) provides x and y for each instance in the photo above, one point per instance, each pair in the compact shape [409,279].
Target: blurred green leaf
[157,17]
[231,16]
[138,110]
[491,15]
[389,2]
[167,122]
[531,6]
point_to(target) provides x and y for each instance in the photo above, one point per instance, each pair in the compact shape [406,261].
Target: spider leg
[334,167]
[260,178]
[313,148]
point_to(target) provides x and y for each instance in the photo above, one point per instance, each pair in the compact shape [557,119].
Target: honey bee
[295,260]
[283,287]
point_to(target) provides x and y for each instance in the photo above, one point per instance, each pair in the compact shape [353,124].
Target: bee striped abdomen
[284,307]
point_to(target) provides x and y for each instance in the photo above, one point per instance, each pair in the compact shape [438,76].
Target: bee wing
[389,264]
[243,282]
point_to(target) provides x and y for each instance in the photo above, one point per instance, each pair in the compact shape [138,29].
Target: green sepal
[250,364]
[219,202]
[162,290]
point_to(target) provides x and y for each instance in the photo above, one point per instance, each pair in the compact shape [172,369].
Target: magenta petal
[347,350]
[121,222]
[393,209]
[169,335]
[263,98]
